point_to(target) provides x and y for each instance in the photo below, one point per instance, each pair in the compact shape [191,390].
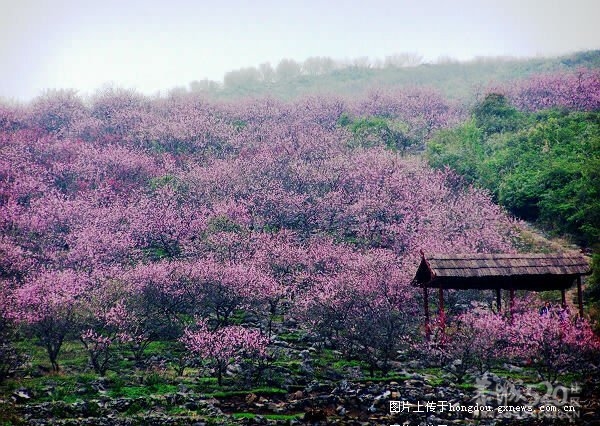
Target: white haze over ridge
[155,45]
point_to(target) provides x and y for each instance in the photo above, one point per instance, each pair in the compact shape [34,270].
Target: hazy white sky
[152,45]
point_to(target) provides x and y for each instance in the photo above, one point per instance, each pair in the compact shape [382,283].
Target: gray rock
[82,390]
[21,395]
[414,383]
[234,369]
[306,368]
[414,364]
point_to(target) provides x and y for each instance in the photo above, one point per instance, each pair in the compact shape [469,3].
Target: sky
[153,45]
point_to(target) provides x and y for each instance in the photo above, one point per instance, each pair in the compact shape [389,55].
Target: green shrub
[543,167]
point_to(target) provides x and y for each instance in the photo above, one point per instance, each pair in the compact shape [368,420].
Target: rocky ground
[319,403]
[306,385]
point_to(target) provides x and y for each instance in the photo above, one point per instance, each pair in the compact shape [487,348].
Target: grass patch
[329,355]
[72,355]
[246,415]
[121,364]
[243,415]
[291,337]
[158,347]
[525,375]
[292,365]
[54,387]
[435,381]
[258,391]
[541,387]
[130,391]
[434,371]
[569,378]
[139,391]
[134,408]
[388,378]
[343,363]
[207,380]
[467,387]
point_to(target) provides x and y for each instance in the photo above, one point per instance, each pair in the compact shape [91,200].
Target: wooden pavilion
[531,272]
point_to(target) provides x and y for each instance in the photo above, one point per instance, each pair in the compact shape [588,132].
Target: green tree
[543,167]
[495,115]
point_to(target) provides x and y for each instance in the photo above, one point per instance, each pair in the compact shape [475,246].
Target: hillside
[185,260]
[454,79]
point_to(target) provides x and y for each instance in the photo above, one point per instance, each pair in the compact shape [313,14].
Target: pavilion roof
[531,271]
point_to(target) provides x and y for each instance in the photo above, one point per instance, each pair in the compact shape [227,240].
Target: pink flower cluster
[226,343]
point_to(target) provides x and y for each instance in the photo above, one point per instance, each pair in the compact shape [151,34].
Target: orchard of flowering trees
[126,220]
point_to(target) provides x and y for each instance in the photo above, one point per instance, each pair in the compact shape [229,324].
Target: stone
[21,395]
[414,364]
[81,390]
[296,395]
[306,368]
[234,369]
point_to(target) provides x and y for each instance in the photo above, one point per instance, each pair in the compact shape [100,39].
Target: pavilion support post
[563,298]
[512,300]
[498,300]
[426,308]
[441,311]
[580,296]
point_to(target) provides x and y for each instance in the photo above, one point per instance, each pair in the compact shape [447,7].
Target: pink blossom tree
[552,344]
[102,318]
[47,303]
[477,339]
[157,300]
[99,348]
[56,111]
[163,224]
[9,357]
[366,308]
[221,347]
[117,115]
[284,270]
[579,91]
[474,340]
